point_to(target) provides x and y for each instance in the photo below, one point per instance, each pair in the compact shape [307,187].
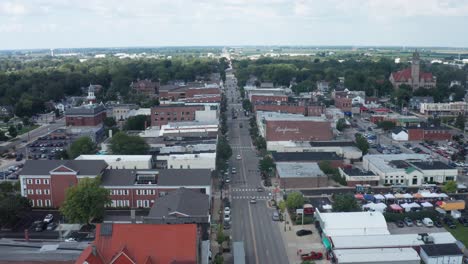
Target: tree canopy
[450,187]
[82,146]
[361,143]
[137,122]
[85,202]
[295,200]
[341,124]
[345,203]
[123,144]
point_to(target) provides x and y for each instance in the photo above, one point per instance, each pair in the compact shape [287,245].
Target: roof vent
[106,229]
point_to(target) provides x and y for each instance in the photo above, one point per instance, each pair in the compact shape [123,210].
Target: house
[280,108]
[19,252]
[413,76]
[441,253]
[314,157]
[122,161]
[261,98]
[400,134]
[44,182]
[416,101]
[142,243]
[6,110]
[344,103]
[355,176]
[120,111]
[182,206]
[146,87]
[299,175]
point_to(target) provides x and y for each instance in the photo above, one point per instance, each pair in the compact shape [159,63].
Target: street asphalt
[251,223]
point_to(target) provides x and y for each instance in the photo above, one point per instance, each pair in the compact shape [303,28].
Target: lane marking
[253,234]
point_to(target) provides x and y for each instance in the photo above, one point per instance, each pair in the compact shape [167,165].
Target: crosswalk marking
[241,147]
[244,189]
[250,197]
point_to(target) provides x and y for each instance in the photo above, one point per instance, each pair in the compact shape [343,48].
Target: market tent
[359,196]
[389,196]
[417,196]
[399,196]
[369,197]
[427,204]
[327,207]
[443,195]
[407,206]
[407,196]
[379,197]
[369,205]
[396,207]
[415,205]
[380,207]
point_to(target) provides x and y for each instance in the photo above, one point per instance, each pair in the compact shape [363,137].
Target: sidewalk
[293,243]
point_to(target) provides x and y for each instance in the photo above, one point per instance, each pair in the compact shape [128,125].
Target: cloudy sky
[104,23]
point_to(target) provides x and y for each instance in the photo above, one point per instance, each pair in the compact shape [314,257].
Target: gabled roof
[397,130]
[182,201]
[44,167]
[144,243]
[405,75]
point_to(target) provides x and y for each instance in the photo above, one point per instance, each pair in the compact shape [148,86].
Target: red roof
[143,243]
[405,75]
[302,130]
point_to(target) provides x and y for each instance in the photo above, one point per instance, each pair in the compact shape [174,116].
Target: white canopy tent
[379,197]
[389,196]
[427,205]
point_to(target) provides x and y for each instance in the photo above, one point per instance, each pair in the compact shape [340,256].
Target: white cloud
[12,8]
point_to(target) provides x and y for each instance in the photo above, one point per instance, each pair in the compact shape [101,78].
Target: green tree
[138,122]
[2,136]
[109,122]
[260,143]
[460,122]
[13,207]
[12,131]
[82,146]
[267,165]
[123,144]
[295,200]
[247,105]
[85,202]
[345,203]
[386,125]
[450,187]
[223,149]
[341,124]
[282,206]
[220,236]
[361,143]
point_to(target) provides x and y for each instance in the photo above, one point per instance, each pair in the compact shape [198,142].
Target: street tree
[223,149]
[361,143]
[13,207]
[109,122]
[295,200]
[450,187]
[85,202]
[267,164]
[82,146]
[138,122]
[345,203]
[12,131]
[460,122]
[341,124]
[123,144]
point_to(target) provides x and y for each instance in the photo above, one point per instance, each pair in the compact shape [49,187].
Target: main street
[251,223]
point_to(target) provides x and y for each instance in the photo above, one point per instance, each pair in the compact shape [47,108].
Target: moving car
[260,189]
[233,171]
[238,157]
[227,217]
[227,210]
[253,200]
[303,232]
[276,216]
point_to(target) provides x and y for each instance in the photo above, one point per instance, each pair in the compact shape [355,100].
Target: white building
[189,161]
[408,169]
[122,161]
[377,256]
[352,224]
[441,253]
[444,109]
[400,134]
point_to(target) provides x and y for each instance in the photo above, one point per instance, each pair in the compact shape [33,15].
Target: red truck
[312,256]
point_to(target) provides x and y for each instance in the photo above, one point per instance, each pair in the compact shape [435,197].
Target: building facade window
[30,191]
[46,181]
[29,181]
[46,191]
[39,203]
[38,181]
[47,203]
[38,191]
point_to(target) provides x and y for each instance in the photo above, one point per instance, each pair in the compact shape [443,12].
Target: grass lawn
[27,129]
[460,233]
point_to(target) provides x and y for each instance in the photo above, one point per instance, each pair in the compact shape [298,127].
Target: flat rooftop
[298,170]
[377,255]
[304,156]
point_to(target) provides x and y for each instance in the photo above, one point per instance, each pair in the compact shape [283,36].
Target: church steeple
[415,69]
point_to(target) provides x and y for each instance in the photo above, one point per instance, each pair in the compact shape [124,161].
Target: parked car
[450,223]
[303,232]
[48,218]
[227,210]
[39,226]
[275,216]
[428,222]
[437,223]
[227,217]
[419,223]
[312,256]
[463,221]
[408,221]
[400,223]
[226,225]
[52,226]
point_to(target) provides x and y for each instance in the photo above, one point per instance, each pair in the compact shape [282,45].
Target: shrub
[393,217]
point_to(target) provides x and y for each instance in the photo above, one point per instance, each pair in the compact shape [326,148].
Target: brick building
[163,114]
[172,92]
[298,130]
[45,182]
[429,133]
[355,176]
[86,115]
[194,91]
[315,110]
[146,87]
[257,98]
[343,103]
[300,175]
[282,108]
[413,76]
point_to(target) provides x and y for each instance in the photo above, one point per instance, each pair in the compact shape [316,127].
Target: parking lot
[394,229]
[48,147]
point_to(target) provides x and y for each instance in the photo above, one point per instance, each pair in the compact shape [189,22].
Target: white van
[428,222]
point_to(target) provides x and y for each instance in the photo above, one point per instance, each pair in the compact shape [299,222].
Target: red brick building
[163,114]
[143,243]
[283,108]
[429,133]
[315,110]
[146,87]
[343,103]
[257,98]
[210,98]
[192,92]
[298,130]
[45,182]
[87,115]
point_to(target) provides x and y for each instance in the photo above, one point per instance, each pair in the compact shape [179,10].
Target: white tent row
[389,196]
[427,204]
[379,197]
[408,206]
[380,207]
